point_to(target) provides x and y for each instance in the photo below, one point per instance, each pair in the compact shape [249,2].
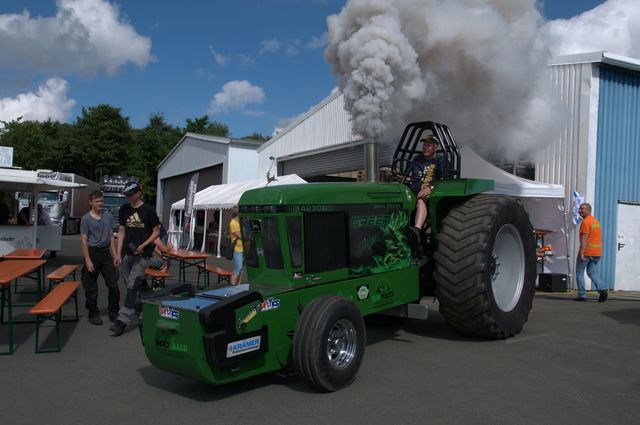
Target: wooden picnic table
[11,270]
[25,254]
[187,259]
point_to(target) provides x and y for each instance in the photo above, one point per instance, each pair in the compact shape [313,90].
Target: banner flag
[188,210]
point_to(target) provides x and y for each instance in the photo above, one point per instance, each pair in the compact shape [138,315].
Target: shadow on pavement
[625,316]
[203,392]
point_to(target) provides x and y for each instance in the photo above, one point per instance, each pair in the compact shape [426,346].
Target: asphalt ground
[574,363]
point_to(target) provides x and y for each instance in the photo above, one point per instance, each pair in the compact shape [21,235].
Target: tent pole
[34,218]
[180,230]
[204,232]
[219,233]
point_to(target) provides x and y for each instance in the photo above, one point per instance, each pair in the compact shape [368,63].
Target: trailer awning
[28,181]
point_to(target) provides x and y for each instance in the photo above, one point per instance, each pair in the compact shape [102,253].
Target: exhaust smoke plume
[476,65]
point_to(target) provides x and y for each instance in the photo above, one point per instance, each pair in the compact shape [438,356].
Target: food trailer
[14,236]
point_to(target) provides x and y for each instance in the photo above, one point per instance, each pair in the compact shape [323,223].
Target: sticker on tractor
[363,292]
[171,346]
[244,346]
[169,312]
[384,295]
[269,304]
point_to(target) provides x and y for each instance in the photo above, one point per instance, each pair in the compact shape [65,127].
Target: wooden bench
[50,308]
[61,273]
[223,275]
[157,277]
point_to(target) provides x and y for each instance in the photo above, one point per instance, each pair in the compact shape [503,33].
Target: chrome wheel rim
[507,267]
[341,344]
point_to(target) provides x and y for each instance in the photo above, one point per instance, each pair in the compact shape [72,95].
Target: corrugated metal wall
[195,153]
[325,125]
[566,160]
[618,156]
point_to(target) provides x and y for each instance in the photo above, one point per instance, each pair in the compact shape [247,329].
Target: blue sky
[272,50]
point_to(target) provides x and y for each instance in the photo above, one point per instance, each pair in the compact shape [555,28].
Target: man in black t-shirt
[139,227]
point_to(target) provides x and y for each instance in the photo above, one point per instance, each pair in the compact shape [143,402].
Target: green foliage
[152,144]
[202,125]
[102,141]
[256,136]
[31,140]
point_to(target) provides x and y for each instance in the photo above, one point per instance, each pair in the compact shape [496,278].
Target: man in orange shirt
[589,254]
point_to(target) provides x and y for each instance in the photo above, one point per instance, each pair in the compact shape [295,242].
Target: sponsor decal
[363,292]
[370,221]
[384,295]
[169,312]
[243,346]
[270,304]
[171,346]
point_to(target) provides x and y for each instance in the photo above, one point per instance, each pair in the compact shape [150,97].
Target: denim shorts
[238,260]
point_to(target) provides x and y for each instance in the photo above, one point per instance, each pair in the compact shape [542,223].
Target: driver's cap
[430,139]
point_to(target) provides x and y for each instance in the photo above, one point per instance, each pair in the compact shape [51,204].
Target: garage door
[334,161]
[175,188]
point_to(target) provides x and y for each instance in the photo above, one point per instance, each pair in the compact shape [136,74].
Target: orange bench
[61,273]
[223,275]
[50,308]
[157,277]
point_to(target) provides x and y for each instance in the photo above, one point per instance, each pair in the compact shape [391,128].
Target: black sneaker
[603,296]
[117,328]
[113,316]
[583,299]
[95,320]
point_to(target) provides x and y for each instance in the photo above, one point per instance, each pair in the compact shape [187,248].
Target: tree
[202,125]
[256,136]
[36,145]
[104,141]
[153,143]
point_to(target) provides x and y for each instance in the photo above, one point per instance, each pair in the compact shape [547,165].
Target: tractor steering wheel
[407,171]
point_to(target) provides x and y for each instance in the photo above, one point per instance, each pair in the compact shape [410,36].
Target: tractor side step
[410,311]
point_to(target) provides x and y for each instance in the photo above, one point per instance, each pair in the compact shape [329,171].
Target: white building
[219,160]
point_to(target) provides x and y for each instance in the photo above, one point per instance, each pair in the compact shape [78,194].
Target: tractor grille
[325,241]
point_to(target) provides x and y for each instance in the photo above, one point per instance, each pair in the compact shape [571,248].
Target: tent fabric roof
[473,166]
[226,196]
[27,180]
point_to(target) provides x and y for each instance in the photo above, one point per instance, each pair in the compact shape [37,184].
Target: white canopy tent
[29,181]
[222,197]
[544,203]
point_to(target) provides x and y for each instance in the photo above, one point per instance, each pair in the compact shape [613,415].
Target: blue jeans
[238,261]
[593,271]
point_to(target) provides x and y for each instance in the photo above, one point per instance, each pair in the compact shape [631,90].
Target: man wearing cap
[431,165]
[139,228]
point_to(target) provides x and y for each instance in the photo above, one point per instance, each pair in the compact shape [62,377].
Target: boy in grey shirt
[98,249]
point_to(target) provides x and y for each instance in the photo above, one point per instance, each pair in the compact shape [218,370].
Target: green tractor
[320,257]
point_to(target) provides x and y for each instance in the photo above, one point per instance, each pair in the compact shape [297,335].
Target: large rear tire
[485,267]
[328,344]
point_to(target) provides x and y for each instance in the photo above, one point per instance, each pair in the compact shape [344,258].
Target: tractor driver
[431,165]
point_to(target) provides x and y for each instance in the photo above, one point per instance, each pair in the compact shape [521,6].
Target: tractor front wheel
[485,267]
[328,344]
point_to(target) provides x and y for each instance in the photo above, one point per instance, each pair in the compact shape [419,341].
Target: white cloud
[270,46]
[85,36]
[236,95]
[218,58]
[292,47]
[49,101]
[317,42]
[612,26]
